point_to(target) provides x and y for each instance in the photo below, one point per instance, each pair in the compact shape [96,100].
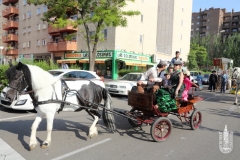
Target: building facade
[215,21]
[162,28]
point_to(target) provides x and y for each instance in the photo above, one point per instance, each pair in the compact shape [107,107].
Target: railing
[62,46]
[8,11]
[9,38]
[9,24]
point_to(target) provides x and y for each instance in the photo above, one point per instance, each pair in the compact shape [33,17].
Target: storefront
[109,62]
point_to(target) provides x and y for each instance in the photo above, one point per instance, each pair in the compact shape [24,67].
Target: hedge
[126,71]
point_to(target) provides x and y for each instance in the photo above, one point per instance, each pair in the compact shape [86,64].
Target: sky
[228,4]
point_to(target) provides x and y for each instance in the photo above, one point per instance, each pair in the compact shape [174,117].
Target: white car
[73,77]
[124,84]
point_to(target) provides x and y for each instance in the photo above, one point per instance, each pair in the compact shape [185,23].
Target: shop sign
[103,54]
[132,56]
[217,62]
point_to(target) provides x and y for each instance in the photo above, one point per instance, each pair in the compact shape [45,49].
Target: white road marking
[6,152]
[81,149]
[4,119]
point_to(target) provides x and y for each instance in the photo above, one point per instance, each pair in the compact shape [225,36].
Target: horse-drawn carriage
[144,111]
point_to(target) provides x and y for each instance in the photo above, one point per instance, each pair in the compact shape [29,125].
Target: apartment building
[215,21]
[162,28]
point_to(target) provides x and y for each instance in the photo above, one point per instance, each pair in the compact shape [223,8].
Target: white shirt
[153,73]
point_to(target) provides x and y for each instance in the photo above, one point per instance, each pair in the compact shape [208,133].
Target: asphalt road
[70,141]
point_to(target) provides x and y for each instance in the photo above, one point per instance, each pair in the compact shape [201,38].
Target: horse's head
[235,73]
[18,80]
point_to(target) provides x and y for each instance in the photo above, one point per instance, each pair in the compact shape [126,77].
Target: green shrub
[126,71]
[3,78]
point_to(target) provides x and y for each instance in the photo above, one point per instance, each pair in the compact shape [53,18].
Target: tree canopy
[101,13]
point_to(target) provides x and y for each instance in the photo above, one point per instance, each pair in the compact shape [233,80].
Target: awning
[67,60]
[97,61]
[136,63]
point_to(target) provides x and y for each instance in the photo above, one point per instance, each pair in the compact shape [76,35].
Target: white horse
[236,77]
[42,86]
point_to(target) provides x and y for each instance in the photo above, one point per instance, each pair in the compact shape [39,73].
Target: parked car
[73,77]
[205,79]
[124,84]
[194,74]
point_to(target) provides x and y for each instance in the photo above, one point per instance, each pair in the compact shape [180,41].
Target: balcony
[10,38]
[10,25]
[62,46]
[6,2]
[68,28]
[55,31]
[9,11]
[10,52]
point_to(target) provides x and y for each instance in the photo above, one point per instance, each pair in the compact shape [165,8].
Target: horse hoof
[44,145]
[32,147]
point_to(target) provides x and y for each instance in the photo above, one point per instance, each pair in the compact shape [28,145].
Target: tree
[101,13]
[197,56]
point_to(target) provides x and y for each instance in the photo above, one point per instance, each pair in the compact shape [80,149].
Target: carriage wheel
[196,119]
[161,129]
[136,113]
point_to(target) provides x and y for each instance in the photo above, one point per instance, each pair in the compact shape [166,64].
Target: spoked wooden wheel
[196,119]
[161,129]
[136,113]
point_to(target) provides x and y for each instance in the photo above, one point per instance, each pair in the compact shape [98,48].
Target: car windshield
[55,73]
[131,77]
[205,76]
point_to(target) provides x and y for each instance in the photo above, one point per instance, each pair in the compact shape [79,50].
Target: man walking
[224,80]
[212,81]
[154,75]
[176,58]
[64,65]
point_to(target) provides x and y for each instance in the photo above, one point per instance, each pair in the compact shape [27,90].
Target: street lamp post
[1,48]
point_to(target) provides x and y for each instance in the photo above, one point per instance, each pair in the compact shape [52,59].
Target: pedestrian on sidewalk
[212,81]
[224,80]
[199,80]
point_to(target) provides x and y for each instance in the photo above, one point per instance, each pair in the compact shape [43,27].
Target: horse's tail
[107,116]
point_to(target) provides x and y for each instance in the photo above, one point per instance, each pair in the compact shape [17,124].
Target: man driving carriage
[155,76]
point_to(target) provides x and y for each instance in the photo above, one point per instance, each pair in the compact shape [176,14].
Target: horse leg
[93,129]
[236,94]
[49,118]
[33,140]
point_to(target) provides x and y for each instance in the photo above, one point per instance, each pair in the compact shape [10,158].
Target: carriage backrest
[140,100]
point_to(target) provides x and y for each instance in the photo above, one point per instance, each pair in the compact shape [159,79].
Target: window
[191,29]
[226,18]
[141,18]
[38,42]
[192,24]
[91,33]
[29,29]
[197,23]
[73,74]
[208,20]
[74,17]
[24,16]
[235,17]
[183,8]
[192,17]
[44,43]
[38,11]
[38,27]
[197,29]
[28,44]
[24,2]
[181,37]
[208,27]
[29,14]
[105,33]
[44,26]
[141,39]
[198,17]
[85,75]
[24,30]
[0,1]
[45,9]
[24,44]
[234,30]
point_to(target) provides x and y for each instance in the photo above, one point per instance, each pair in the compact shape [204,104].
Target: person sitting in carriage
[165,97]
[155,76]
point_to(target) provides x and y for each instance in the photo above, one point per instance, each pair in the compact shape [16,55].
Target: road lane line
[4,119]
[81,149]
[6,152]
